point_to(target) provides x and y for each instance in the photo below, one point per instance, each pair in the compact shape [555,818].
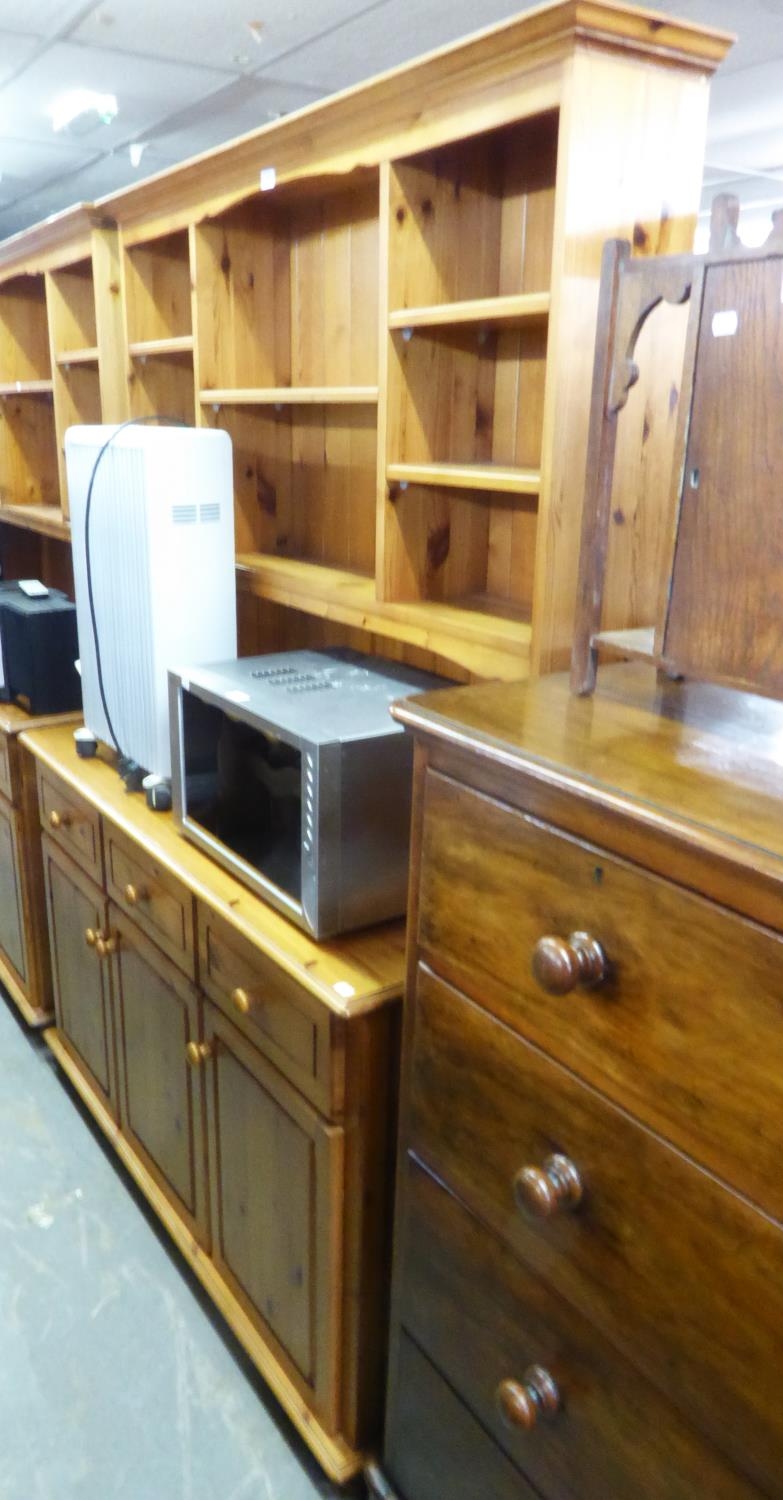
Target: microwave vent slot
[209,512]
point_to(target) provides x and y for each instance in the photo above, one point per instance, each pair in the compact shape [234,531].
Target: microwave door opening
[244,789]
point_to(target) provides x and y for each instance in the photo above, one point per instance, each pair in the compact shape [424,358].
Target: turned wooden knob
[523,1403]
[550,1189]
[105,946]
[241,1000]
[58,819]
[559,965]
[197,1053]
[136,893]
[90,937]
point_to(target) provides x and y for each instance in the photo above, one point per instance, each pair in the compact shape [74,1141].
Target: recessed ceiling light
[80,110]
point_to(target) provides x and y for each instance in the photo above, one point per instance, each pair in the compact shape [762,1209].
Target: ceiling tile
[376,41]
[244,106]
[198,31]
[15,51]
[43,17]
[26,166]
[146,90]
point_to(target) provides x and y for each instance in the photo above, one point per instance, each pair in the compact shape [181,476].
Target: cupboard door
[276,1177]
[77,915]
[161,1096]
[12,935]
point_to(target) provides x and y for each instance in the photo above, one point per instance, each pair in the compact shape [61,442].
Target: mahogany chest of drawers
[588,1282]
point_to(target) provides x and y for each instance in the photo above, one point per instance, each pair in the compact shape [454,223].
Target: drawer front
[680,1275]
[292,1028]
[71,822]
[155,899]
[434,1447]
[685,1031]
[486,1322]
[6,782]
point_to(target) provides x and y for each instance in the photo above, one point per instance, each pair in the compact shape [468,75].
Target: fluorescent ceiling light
[82,109]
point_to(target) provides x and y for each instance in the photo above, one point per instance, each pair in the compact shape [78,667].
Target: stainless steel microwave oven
[290,771]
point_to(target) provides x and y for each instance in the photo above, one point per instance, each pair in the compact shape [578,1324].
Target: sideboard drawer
[613,1434]
[684,1031]
[155,899]
[71,822]
[286,1023]
[669,1265]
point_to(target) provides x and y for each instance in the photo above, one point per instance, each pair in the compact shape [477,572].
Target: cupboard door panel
[12,934]
[276,1183]
[161,1097]
[81,977]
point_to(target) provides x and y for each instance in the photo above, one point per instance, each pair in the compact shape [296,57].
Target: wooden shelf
[303,395]
[46,520]
[26,387]
[497,478]
[488,644]
[77,357]
[161,348]
[528,307]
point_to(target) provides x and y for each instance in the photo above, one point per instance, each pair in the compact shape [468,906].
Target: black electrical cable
[132,422]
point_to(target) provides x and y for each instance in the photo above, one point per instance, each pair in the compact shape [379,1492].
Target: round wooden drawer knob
[197,1053]
[559,965]
[136,893]
[550,1189]
[90,937]
[241,1001]
[523,1403]
[58,819]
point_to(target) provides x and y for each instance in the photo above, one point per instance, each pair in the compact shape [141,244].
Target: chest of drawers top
[685,779]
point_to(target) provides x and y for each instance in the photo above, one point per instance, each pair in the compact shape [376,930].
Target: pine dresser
[588,1281]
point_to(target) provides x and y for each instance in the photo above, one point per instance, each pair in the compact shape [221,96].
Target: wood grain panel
[161,1097]
[725,614]
[462,1290]
[146,891]
[650,1256]
[685,1032]
[276,1014]
[276,1183]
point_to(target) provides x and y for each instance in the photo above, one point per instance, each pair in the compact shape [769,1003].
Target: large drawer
[486,1322]
[434,1448]
[71,822]
[685,1031]
[682,1276]
[292,1028]
[155,899]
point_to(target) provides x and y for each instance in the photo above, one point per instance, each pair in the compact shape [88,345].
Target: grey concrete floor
[117,1381]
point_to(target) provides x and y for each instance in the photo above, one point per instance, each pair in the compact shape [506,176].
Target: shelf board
[47,520]
[488,644]
[287,395]
[26,387]
[497,477]
[528,307]
[160,348]
[77,357]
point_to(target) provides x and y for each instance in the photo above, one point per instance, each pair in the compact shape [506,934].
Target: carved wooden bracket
[639,296]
